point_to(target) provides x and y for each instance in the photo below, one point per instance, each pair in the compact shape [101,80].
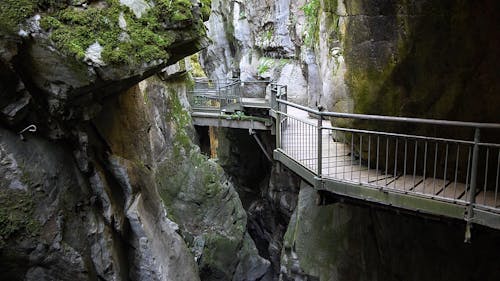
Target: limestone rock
[352,242]
[71,56]
[139,7]
[197,198]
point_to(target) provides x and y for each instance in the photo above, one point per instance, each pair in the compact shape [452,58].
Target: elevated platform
[399,171]
[216,119]
[308,147]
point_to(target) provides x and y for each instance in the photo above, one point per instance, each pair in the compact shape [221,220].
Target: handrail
[462,172]
[393,118]
[443,169]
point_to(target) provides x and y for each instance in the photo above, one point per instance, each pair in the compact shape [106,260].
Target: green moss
[311,11]
[14,12]
[219,255]
[17,215]
[49,22]
[269,34]
[143,40]
[196,69]
[75,29]
[181,120]
[206,9]
[71,34]
[283,62]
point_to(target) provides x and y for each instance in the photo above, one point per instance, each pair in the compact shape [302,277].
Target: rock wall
[268,191]
[404,58]
[61,60]
[345,242]
[422,58]
[291,42]
[148,207]
[106,222]
[110,184]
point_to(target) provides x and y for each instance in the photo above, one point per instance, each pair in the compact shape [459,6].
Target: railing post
[220,98]
[472,190]
[320,145]
[240,92]
[278,129]
[274,94]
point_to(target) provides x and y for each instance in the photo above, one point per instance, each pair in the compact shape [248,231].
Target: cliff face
[403,58]
[408,58]
[356,242]
[422,58]
[110,184]
[67,57]
[105,222]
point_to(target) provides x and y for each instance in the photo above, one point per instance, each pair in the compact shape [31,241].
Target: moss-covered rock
[124,37]
[14,13]
[431,60]
[17,215]
[166,166]
[351,242]
[70,51]
[423,60]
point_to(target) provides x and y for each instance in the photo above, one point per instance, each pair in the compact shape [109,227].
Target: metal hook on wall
[31,128]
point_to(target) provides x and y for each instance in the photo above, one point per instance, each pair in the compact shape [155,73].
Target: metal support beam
[320,145]
[278,130]
[256,137]
[473,183]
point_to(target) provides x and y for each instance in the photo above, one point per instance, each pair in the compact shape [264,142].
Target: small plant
[283,62]
[311,9]
[264,65]
[269,34]
[196,69]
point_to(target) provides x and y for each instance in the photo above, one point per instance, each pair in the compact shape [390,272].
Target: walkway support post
[320,145]
[274,96]
[220,97]
[472,189]
[278,129]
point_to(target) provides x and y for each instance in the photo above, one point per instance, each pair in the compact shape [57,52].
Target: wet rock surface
[355,242]
[268,192]
[375,57]
[89,194]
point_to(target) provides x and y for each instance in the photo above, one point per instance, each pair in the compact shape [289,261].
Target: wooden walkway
[340,163]
[343,172]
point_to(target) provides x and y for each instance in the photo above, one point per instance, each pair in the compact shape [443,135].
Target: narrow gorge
[105,175]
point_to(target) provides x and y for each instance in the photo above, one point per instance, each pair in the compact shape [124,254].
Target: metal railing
[460,171]
[227,95]
[215,95]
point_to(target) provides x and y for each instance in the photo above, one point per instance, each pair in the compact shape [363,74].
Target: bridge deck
[216,119]
[430,183]
[340,166]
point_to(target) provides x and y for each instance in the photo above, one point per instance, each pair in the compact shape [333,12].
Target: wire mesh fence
[462,171]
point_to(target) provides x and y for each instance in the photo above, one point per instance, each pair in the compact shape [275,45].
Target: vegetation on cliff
[122,34]
[17,215]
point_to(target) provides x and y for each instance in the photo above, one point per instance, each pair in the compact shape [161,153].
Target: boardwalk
[339,162]
[427,180]
[453,178]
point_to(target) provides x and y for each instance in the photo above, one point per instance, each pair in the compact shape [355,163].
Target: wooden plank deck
[299,140]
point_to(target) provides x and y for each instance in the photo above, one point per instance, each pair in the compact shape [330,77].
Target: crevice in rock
[267,192]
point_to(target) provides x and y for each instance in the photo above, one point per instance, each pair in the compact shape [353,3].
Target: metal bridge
[427,173]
